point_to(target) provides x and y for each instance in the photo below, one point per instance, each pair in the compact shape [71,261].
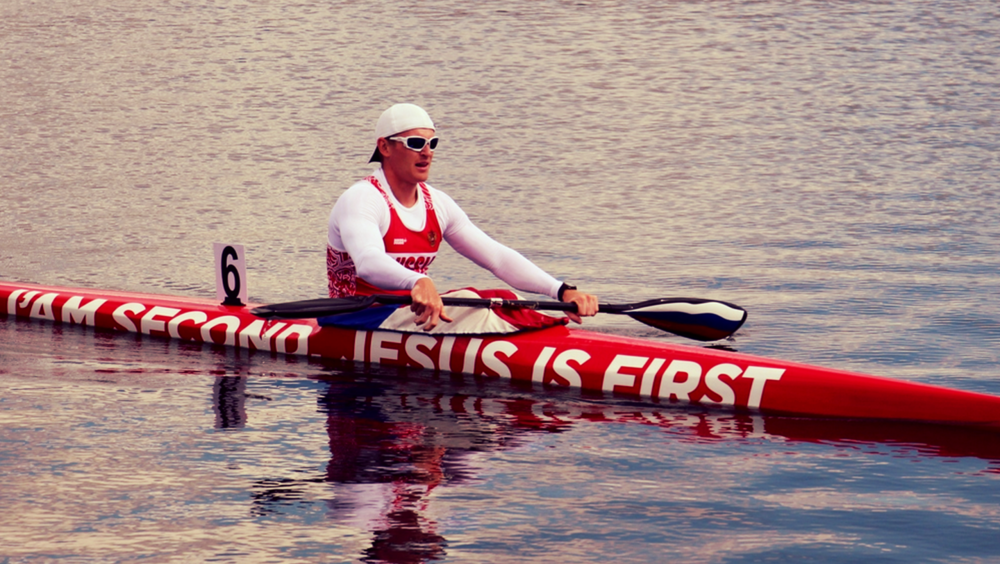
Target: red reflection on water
[393,442]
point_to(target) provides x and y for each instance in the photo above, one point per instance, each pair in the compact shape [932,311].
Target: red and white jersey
[375,244]
[415,250]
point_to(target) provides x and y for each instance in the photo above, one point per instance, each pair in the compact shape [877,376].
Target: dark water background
[832,167]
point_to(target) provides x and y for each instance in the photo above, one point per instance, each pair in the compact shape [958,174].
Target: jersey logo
[399,241]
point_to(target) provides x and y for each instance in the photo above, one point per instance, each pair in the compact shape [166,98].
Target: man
[384,232]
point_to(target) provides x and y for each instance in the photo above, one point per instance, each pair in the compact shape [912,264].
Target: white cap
[399,118]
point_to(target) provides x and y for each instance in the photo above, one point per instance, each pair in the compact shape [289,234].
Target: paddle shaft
[703,320]
[498,302]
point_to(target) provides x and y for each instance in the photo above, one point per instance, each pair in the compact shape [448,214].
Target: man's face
[408,165]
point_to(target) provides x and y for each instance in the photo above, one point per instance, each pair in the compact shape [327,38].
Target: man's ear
[383,146]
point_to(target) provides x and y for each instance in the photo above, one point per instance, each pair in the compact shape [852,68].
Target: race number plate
[230,274]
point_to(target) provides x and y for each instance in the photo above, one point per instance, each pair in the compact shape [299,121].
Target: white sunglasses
[416,142]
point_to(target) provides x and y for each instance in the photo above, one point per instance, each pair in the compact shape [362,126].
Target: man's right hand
[586,304]
[427,304]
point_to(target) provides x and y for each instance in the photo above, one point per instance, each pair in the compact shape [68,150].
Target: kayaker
[381,238]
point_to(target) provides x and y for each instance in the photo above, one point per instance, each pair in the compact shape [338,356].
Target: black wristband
[563,289]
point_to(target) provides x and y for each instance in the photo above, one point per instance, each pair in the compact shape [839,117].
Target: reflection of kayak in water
[397,442]
[650,371]
[470,421]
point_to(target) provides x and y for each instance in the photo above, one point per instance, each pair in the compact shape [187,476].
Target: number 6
[230,271]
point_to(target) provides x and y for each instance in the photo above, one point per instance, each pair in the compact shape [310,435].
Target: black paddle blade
[701,320]
[313,308]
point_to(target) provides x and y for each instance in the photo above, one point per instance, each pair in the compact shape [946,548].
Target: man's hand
[586,304]
[427,305]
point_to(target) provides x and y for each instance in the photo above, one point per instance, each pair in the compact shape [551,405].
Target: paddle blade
[313,308]
[702,320]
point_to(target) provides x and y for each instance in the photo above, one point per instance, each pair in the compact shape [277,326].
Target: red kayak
[655,372]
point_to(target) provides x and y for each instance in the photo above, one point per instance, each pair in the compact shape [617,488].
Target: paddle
[702,320]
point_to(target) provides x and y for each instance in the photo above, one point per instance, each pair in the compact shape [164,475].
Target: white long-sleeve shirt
[360,219]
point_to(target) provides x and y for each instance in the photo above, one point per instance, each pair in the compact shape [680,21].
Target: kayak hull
[648,371]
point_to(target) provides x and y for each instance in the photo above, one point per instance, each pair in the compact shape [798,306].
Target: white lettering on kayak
[137,317]
[12,304]
[74,312]
[760,376]
[444,357]
[195,317]
[720,388]
[469,365]
[682,378]
[671,388]
[613,378]
[495,364]
[360,338]
[388,347]
[568,375]
[257,335]
[149,321]
[538,370]
[567,372]
[232,324]
[379,352]
[649,377]
[678,379]
[301,333]
[414,344]
[123,320]
[42,308]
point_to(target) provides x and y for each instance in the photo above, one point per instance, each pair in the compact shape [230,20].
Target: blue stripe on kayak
[365,320]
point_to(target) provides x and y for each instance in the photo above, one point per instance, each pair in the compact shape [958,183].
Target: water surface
[830,167]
